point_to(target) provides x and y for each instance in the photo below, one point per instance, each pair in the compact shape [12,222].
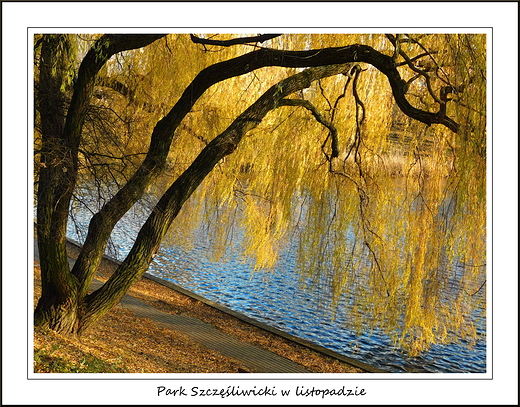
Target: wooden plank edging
[318,348]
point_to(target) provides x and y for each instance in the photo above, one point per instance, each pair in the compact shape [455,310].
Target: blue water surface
[280,300]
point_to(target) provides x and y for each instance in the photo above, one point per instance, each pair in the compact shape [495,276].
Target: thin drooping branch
[333,133]
[235,41]
[118,86]
[113,157]
[415,58]
[360,118]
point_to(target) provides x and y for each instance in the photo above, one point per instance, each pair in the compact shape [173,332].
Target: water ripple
[278,300]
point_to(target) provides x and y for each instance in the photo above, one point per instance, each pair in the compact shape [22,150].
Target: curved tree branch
[424,73]
[151,234]
[235,41]
[416,58]
[301,59]
[102,50]
[319,118]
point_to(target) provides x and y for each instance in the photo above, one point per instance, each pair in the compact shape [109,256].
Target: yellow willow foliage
[396,233]
[405,241]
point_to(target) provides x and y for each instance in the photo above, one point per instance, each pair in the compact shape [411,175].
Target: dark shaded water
[279,300]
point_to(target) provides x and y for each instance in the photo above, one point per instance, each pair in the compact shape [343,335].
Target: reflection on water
[279,300]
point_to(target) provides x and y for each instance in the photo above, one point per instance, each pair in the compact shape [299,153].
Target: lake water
[279,300]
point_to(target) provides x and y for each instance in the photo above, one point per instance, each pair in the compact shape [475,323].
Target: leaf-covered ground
[122,343]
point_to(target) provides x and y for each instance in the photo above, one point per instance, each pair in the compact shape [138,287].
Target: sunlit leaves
[399,232]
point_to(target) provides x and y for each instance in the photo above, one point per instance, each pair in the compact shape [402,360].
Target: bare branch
[124,157]
[235,41]
[333,133]
[409,62]
[425,54]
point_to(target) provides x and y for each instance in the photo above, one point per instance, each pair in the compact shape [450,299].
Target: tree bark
[58,287]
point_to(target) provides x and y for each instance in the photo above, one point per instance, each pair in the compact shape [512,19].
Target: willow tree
[370,149]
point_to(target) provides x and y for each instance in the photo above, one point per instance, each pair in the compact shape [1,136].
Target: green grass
[46,362]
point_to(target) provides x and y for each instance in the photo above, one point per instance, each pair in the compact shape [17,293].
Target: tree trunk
[62,291]
[60,316]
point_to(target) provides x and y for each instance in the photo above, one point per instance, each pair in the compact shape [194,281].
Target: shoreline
[303,342]
[143,346]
